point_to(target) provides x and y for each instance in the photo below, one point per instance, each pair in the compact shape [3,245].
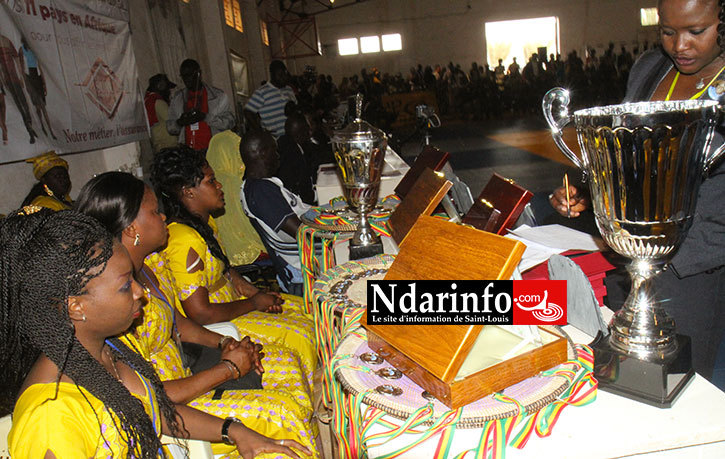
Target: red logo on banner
[539,302]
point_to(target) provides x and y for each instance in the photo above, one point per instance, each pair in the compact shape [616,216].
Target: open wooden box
[459,364]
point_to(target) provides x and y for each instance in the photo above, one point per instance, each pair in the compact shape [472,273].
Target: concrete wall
[435,32]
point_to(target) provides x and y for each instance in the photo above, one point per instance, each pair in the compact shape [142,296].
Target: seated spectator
[51,190]
[319,151]
[272,209]
[79,390]
[129,211]
[295,168]
[208,289]
[236,234]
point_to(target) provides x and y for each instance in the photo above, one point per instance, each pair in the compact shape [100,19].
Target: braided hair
[113,198]
[172,170]
[45,257]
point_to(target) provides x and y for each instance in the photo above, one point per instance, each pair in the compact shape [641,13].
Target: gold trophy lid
[359,130]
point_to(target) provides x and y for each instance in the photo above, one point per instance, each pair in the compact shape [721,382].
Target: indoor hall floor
[517,148]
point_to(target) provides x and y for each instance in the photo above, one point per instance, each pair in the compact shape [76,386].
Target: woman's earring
[84,318]
[137,240]
[48,191]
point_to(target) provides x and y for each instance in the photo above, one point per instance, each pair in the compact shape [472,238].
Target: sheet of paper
[534,254]
[559,237]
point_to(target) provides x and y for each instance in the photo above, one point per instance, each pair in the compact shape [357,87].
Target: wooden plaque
[431,158]
[439,249]
[499,194]
[424,197]
[434,355]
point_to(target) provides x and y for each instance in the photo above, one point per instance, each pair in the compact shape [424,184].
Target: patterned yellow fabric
[281,410]
[236,234]
[49,202]
[293,328]
[67,424]
[45,162]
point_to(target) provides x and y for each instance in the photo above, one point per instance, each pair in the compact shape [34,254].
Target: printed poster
[68,77]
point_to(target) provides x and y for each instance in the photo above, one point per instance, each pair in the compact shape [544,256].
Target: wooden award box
[459,364]
[425,195]
[431,158]
[502,195]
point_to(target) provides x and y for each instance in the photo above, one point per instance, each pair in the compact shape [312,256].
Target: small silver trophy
[360,154]
[644,163]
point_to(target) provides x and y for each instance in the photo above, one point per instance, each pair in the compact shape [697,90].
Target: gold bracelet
[234,366]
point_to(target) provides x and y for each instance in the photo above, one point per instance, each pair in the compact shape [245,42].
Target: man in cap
[53,185]
[199,111]
[156,102]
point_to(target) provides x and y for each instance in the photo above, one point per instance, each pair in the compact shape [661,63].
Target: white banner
[68,77]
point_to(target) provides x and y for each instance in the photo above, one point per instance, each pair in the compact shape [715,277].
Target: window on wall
[648,17]
[233,14]
[347,46]
[369,44]
[520,39]
[392,42]
[263,31]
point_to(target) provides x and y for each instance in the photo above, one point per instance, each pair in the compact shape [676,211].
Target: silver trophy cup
[644,163]
[360,154]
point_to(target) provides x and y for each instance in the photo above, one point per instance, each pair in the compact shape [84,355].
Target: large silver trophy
[644,163]
[360,154]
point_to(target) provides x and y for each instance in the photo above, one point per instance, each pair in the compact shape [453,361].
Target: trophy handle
[561,96]
[714,156]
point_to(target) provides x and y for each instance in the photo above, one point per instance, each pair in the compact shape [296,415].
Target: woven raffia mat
[533,393]
[346,285]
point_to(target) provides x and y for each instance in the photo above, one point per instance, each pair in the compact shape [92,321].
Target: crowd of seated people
[479,92]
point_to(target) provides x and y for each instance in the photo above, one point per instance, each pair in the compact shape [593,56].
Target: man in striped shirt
[266,108]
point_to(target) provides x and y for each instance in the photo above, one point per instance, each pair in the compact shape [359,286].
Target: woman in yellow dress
[130,211]
[208,289]
[66,292]
[236,234]
[53,185]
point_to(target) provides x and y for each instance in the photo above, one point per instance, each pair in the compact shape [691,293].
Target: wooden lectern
[459,364]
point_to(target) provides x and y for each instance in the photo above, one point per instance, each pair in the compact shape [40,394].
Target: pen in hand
[568,197]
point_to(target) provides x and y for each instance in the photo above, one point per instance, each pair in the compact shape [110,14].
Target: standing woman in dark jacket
[689,65]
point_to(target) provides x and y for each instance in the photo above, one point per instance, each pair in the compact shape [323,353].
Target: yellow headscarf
[45,162]
[238,237]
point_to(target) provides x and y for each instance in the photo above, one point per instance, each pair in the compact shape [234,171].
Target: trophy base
[365,251]
[654,383]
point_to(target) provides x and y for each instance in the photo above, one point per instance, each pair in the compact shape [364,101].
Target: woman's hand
[577,201]
[250,443]
[242,287]
[242,353]
[267,302]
